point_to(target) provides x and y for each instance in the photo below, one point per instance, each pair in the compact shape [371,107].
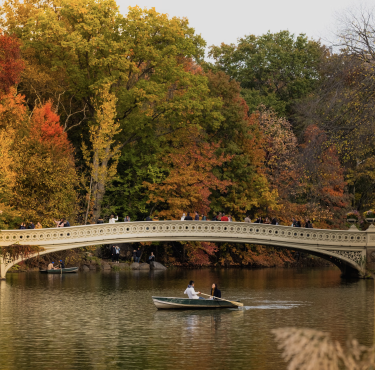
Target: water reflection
[108,321]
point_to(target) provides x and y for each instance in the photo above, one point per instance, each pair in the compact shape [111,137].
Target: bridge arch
[345,248]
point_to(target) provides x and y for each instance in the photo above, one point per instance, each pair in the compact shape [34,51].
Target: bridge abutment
[370,249]
[2,268]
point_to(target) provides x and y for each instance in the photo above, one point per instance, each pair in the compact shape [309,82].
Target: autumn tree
[142,55]
[102,154]
[189,180]
[280,150]
[46,180]
[241,139]
[274,69]
[11,64]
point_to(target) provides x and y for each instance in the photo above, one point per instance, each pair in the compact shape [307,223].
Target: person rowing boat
[190,291]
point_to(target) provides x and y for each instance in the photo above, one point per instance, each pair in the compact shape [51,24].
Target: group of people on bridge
[221,216]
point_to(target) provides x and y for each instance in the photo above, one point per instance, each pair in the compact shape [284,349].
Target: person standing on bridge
[196,217]
[183,217]
[59,223]
[127,218]
[247,219]
[112,219]
[188,217]
[224,218]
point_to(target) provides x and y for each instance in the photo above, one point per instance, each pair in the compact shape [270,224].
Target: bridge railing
[149,230]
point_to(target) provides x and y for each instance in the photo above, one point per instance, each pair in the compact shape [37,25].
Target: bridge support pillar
[2,268]
[370,249]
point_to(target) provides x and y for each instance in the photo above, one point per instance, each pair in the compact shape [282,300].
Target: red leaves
[199,252]
[46,129]
[11,64]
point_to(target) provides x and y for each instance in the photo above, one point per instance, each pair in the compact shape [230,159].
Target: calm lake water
[98,320]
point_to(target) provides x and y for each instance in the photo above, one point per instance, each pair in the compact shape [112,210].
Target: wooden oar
[239,304]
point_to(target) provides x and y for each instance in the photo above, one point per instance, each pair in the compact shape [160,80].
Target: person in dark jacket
[188,217]
[151,258]
[138,255]
[113,253]
[62,264]
[215,292]
[196,218]
[100,220]
[31,226]
[148,218]
[134,255]
[22,226]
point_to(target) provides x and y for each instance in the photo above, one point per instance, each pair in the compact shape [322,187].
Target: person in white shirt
[183,217]
[190,291]
[112,219]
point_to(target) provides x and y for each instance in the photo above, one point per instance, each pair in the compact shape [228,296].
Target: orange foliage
[11,64]
[199,253]
[46,129]
[190,180]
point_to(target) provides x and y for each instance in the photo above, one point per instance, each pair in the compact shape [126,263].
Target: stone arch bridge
[350,250]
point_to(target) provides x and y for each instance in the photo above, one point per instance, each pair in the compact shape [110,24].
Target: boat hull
[67,270]
[173,303]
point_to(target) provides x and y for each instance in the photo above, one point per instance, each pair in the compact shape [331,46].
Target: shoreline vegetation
[99,259]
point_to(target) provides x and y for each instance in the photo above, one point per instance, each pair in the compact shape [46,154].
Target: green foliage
[275,69]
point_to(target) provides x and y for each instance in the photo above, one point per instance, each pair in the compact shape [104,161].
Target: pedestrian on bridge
[224,218]
[188,217]
[112,219]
